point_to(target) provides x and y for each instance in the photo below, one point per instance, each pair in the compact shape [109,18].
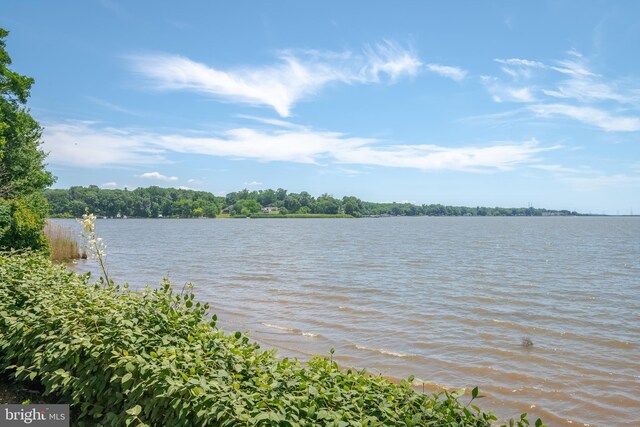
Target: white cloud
[194,181]
[109,185]
[112,106]
[302,145]
[519,68]
[86,145]
[589,115]
[454,73]
[586,96]
[520,62]
[587,89]
[505,156]
[575,67]
[297,75]
[158,176]
[561,169]
[252,184]
[512,94]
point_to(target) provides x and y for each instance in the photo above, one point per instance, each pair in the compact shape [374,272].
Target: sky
[475,103]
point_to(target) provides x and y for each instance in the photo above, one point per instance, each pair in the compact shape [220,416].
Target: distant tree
[246,207]
[352,206]
[23,209]
[327,204]
[292,203]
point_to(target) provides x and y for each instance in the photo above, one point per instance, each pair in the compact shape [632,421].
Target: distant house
[269,209]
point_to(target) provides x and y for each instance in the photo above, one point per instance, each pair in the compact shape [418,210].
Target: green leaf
[135,411]
[474,392]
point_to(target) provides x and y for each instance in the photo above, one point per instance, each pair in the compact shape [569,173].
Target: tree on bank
[23,208]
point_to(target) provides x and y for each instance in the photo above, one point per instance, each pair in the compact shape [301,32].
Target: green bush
[22,223]
[156,358]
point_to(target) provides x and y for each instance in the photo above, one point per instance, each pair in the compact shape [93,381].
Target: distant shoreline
[329,216]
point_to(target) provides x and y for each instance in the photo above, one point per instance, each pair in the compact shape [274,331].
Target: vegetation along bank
[155,202]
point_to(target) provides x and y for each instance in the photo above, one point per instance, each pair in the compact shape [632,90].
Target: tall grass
[63,242]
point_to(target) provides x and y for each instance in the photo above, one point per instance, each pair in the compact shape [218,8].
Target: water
[449,300]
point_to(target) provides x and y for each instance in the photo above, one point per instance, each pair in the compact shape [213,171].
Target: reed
[63,242]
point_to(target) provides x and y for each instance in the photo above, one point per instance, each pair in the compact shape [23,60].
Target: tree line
[154,202]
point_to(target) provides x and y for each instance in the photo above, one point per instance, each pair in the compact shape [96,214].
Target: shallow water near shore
[542,313]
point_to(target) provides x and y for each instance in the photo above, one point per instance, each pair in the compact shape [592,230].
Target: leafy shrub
[22,222]
[155,358]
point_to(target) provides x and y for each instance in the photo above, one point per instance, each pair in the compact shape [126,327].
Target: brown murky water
[450,300]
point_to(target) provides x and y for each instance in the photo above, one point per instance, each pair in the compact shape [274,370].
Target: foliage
[22,222]
[151,202]
[170,202]
[22,172]
[157,358]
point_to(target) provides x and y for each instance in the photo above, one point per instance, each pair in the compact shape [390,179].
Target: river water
[542,313]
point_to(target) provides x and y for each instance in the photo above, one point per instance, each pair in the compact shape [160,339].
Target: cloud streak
[158,176]
[297,145]
[454,73]
[593,116]
[296,75]
[571,90]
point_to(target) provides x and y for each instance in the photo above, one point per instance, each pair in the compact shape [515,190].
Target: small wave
[281,328]
[291,330]
[383,351]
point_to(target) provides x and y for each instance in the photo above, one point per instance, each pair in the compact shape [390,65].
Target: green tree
[352,206]
[246,207]
[22,173]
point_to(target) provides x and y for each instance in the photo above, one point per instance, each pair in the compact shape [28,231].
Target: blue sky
[493,103]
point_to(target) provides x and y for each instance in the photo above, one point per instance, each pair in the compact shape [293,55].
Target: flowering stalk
[97,248]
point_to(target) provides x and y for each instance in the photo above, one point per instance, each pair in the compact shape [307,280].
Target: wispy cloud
[501,92]
[512,94]
[86,144]
[561,169]
[519,68]
[584,95]
[158,176]
[298,145]
[252,184]
[296,75]
[454,73]
[505,156]
[109,185]
[593,116]
[111,106]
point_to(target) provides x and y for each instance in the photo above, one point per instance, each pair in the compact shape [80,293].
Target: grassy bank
[157,358]
[62,241]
